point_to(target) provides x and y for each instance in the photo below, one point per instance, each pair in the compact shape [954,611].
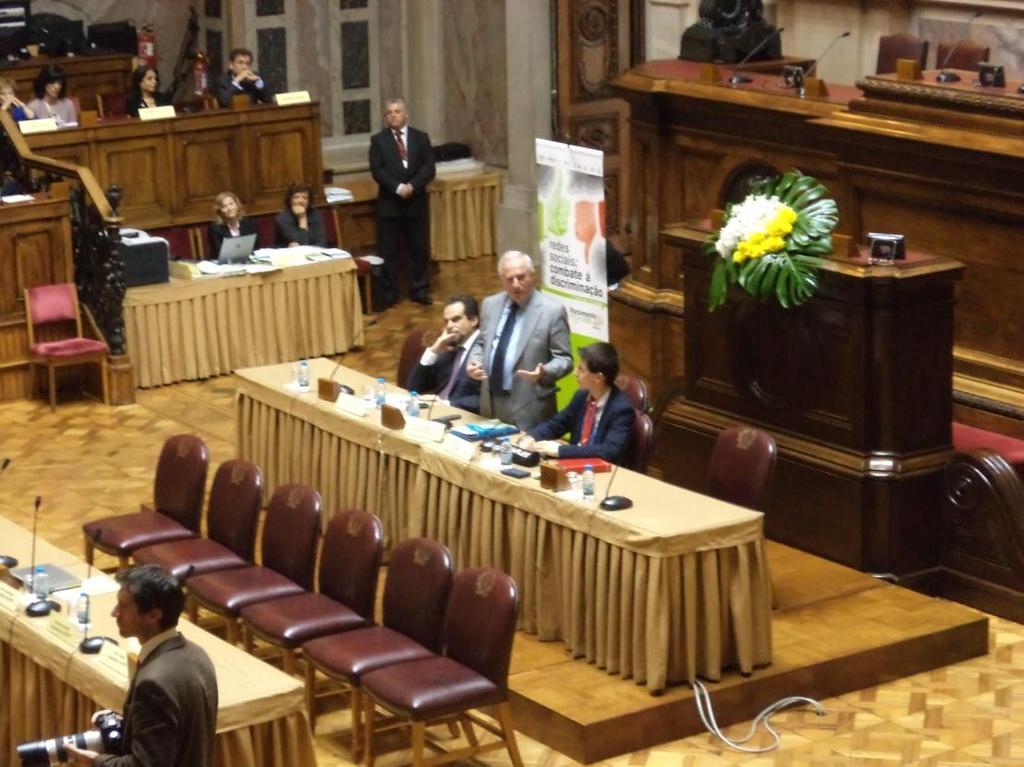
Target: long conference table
[47,688]
[674,588]
[190,329]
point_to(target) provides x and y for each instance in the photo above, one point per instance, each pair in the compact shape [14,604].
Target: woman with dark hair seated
[299,223]
[50,100]
[229,221]
[145,93]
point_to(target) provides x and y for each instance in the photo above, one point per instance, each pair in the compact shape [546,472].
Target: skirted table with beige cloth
[462,216]
[49,689]
[674,588]
[191,329]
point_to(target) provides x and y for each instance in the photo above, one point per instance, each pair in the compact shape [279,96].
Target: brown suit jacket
[170,714]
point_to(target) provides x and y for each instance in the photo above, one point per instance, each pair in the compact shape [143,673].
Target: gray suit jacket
[170,714]
[543,339]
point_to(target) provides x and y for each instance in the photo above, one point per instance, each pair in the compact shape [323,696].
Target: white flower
[745,219]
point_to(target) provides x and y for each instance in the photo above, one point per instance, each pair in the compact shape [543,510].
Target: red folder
[577,464]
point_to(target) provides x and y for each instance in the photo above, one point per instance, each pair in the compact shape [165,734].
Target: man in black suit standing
[442,366]
[402,164]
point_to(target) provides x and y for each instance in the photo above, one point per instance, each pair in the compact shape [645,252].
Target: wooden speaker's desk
[673,588]
[86,76]
[52,689]
[171,170]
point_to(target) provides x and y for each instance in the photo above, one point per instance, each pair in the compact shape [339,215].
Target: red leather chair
[349,563]
[415,593]
[412,349]
[901,46]
[177,504]
[635,388]
[290,536]
[48,308]
[479,625]
[742,466]
[266,231]
[967,56]
[231,517]
[112,104]
[639,453]
[179,242]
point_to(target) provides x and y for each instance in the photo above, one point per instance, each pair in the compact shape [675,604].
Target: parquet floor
[88,461]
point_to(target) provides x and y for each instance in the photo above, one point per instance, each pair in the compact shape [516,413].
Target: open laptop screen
[236,250]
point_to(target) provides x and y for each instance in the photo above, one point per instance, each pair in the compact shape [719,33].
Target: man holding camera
[170,714]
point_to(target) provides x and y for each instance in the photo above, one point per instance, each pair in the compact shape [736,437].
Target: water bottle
[588,483]
[41,583]
[506,452]
[82,609]
[380,392]
[412,409]
[303,374]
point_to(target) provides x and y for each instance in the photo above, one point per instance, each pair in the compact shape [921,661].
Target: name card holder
[328,390]
[292,97]
[460,448]
[391,418]
[10,599]
[157,113]
[352,405]
[709,73]
[908,69]
[553,477]
[62,630]
[114,659]
[424,430]
[28,127]
[815,88]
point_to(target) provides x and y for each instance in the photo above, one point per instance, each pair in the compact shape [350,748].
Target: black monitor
[57,36]
[14,21]
[117,37]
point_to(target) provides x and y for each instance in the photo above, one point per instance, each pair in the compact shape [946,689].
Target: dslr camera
[106,738]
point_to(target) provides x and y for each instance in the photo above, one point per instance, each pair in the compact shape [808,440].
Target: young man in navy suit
[442,366]
[402,164]
[599,418]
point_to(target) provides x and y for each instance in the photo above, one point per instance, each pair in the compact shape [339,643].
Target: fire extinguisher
[199,80]
[147,46]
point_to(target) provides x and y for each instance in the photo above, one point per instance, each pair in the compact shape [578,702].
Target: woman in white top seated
[50,100]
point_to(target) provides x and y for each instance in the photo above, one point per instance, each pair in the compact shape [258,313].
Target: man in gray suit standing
[522,349]
[170,714]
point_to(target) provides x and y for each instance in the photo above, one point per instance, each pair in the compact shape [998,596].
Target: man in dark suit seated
[240,79]
[599,418]
[442,367]
[170,715]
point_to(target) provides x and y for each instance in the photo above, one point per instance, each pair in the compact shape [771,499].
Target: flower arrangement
[771,243]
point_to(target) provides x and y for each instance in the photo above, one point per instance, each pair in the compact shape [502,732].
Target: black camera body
[106,738]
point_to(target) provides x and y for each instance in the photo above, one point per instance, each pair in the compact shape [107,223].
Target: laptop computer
[236,250]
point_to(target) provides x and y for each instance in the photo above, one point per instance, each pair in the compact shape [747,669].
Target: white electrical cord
[702,698]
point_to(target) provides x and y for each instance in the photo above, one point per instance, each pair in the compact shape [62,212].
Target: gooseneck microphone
[90,645]
[948,75]
[5,560]
[739,78]
[614,502]
[824,53]
[40,606]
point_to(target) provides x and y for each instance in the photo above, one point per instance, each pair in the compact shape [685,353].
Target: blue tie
[497,377]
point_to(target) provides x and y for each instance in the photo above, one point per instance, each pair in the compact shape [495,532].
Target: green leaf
[782,287]
[719,286]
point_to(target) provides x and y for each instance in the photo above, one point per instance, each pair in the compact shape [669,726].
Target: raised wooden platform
[834,630]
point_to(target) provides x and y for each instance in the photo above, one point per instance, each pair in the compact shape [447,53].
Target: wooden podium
[856,387]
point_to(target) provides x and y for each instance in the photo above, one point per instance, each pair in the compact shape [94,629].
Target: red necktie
[588,420]
[401,145]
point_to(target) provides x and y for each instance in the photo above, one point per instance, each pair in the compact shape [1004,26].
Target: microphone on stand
[614,502]
[5,560]
[40,606]
[89,645]
[948,75]
[824,53]
[739,78]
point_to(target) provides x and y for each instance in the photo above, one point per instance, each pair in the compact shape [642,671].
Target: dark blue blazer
[609,441]
[430,379]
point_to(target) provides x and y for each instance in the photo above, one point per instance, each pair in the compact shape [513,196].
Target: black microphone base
[616,503]
[9,562]
[91,645]
[947,77]
[39,609]
[738,79]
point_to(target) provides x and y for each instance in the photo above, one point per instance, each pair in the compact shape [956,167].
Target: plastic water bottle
[82,609]
[303,374]
[588,483]
[412,409]
[41,583]
[506,452]
[380,394]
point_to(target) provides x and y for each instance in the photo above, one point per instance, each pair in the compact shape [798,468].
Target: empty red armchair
[349,564]
[415,594]
[290,536]
[55,335]
[232,514]
[742,467]
[178,491]
[479,625]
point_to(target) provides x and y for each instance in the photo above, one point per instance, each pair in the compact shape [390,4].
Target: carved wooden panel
[600,131]
[141,167]
[282,156]
[595,48]
[208,163]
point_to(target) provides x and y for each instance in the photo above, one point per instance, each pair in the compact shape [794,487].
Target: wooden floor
[88,461]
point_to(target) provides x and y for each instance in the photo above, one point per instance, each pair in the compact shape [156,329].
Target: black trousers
[414,233]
